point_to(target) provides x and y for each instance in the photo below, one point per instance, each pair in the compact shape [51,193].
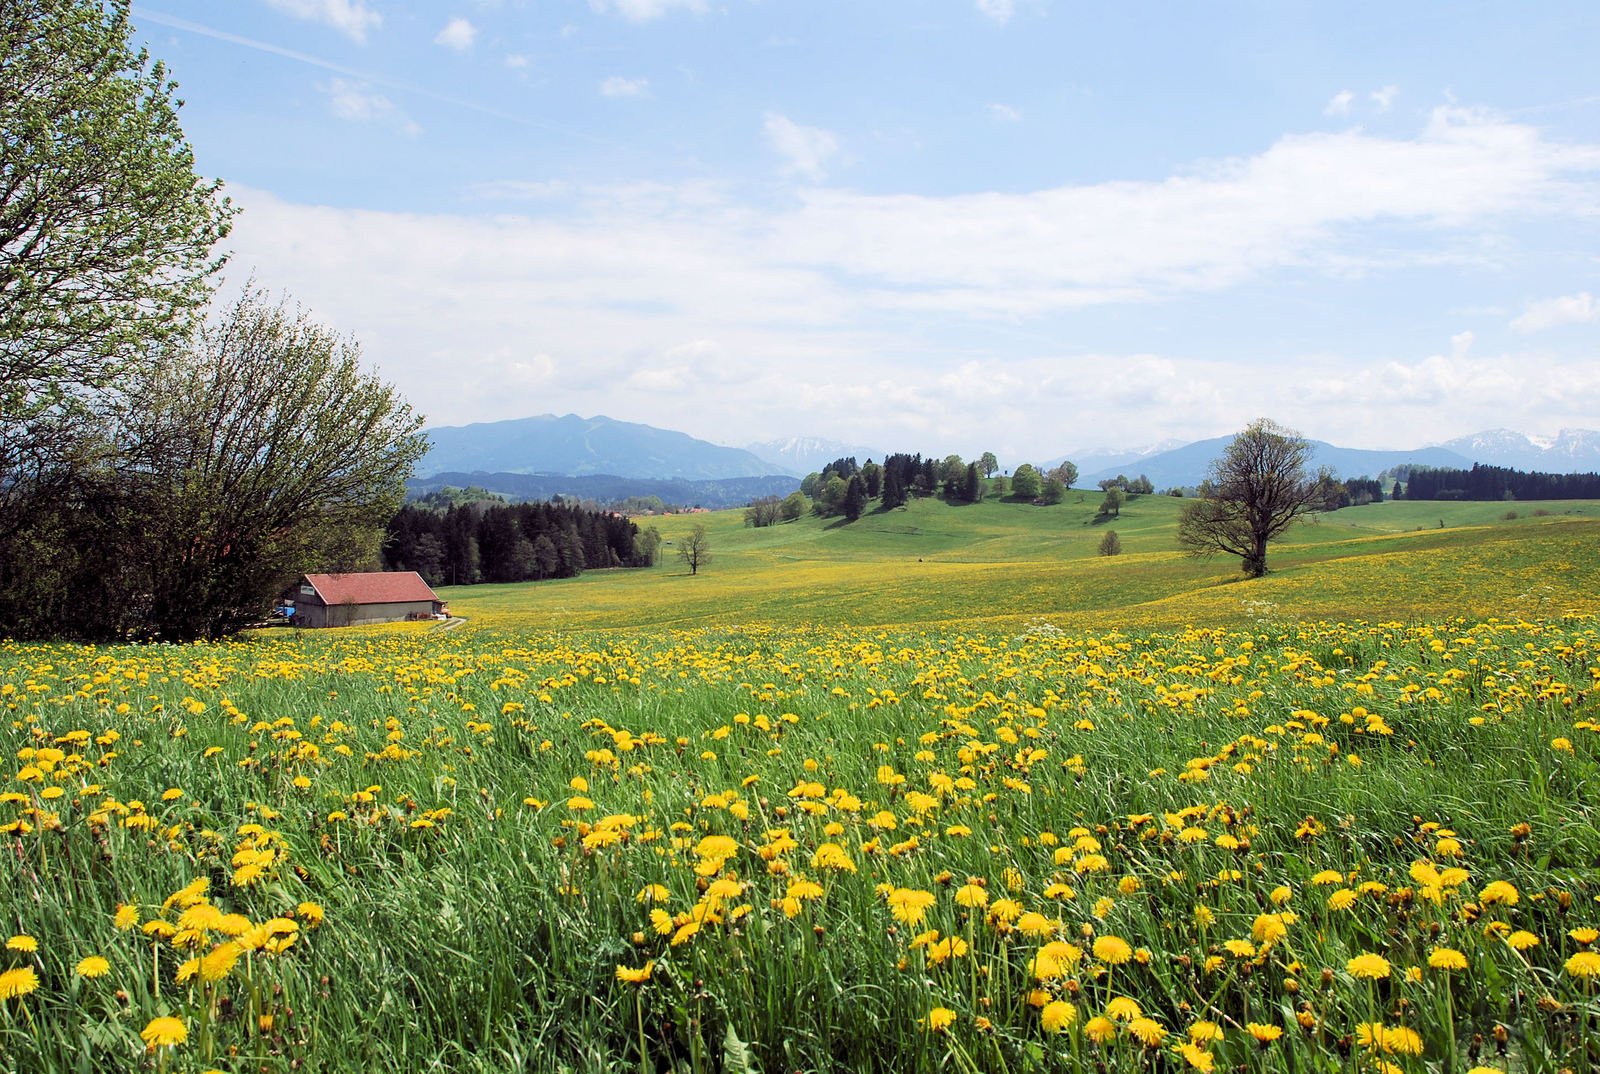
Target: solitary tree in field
[1255,491]
[1110,544]
[1111,506]
[695,551]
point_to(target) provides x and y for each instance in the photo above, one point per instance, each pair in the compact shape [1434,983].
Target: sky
[1021,226]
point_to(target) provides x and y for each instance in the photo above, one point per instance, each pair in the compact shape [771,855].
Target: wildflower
[1498,891]
[1057,1015]
[1446,958]
[1147,1031]
[940,1019]
[1369,966]
[1112,950]
[1264,1034]
[910,905]
[1522,940]
[633,975]
[93,966]
[1197,1057]
[164,1032]
[1584,936]
[1100,1029]
[220,961]
[127,916]
[1034,923]
[18,982]
[1204,1032]
[1240,948]
[1584,965]
[1342,899]
[947,948]
[1123,1009]
[1269,928]
[972,896]
[22,942]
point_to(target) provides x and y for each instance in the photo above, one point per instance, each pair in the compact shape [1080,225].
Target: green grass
[1003,562]
[1054,746]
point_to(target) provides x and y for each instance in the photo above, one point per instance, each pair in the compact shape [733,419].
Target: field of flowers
[1292,847]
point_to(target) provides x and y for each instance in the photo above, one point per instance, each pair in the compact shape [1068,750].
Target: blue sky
[1025,226]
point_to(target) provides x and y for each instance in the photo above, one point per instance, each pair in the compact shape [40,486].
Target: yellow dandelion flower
[18,982]
[93,966]
[940,1019]
[1498,891]
[1264,1034]
[164,1032]
[1147,1031]
[1205,1033]
[1368,966]
[1522,940]
[22,942]
[1123,1009]
[1197,1057]
[1584,965]
[971,896]
[1342,899]
[1057,1015]
[127,916]
[635,975]
[1112,950]
[1447,958]
[1100,1029]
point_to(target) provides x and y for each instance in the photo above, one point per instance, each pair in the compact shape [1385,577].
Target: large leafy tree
[1257,489]
[106,232]
[256,451]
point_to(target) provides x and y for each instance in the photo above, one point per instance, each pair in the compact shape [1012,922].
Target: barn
[325,600]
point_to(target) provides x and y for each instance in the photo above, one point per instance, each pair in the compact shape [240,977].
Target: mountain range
[637,459]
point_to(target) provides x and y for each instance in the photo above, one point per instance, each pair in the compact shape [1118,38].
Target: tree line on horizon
[486,541]
[1484,482]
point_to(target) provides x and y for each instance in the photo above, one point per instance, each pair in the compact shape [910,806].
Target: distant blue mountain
[610,489]
[1187,466]
[574,446]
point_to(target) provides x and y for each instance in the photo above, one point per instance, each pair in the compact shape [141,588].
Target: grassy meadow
[942,790]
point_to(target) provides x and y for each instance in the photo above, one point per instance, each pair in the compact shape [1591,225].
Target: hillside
[1004,563]
[609,488]
[575,446]
[1186,466]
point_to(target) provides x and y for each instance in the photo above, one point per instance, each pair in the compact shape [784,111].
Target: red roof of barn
[372,587]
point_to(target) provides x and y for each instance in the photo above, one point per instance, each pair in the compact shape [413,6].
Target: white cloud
[807,150]
[516,61]
[359,103]
[998,10]
[1339,104]
[645,10]
[458,35]
[1580,308]
[353,18]
[884,300]
[1383,99]
[1005,113]
[617,86]
[1287,207]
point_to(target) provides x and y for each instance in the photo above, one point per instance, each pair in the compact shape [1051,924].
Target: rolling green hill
[1000,562]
